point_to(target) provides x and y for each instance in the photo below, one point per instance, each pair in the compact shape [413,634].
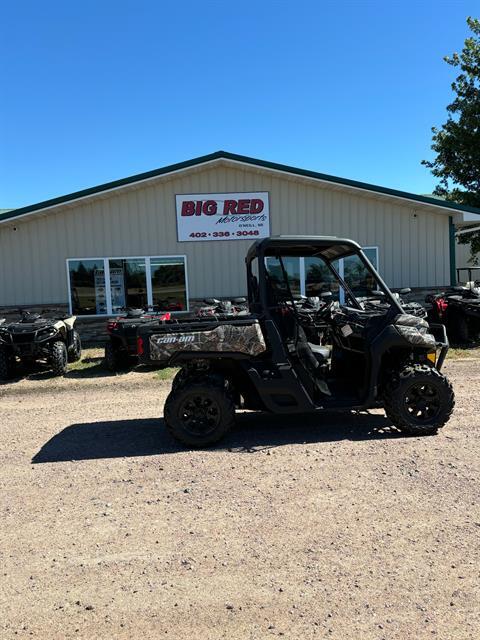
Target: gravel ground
[317,527]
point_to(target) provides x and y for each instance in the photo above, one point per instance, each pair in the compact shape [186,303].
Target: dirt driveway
[303,528]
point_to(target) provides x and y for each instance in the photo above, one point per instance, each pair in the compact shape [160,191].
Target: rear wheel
[75,351]
[199,414]
[461,329]
[419,400]
[59,358]
[114,359]
[7,365]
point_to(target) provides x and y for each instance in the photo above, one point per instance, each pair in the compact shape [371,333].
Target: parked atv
[223,308]
[121,348]
[458,309]
[378,357]
[377,300]
[35,338]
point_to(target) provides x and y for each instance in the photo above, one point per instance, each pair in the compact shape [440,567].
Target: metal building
[181,233]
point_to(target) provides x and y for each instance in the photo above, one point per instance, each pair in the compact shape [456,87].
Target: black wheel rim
[200,415]
[422,402]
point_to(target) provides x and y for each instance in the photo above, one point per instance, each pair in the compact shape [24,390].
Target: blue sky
[95,91]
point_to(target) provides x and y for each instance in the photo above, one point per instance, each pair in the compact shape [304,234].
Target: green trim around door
[453,257]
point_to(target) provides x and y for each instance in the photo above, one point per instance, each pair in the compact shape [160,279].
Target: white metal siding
[463,256]
[413,243]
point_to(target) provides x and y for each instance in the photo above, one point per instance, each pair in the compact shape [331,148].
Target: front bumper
[441,340]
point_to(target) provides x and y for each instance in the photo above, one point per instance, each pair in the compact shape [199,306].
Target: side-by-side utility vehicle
[282,359]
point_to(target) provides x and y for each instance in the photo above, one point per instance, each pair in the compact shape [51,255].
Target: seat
[321,353]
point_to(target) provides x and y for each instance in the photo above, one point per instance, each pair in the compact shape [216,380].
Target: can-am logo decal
[223,216]
[174,339]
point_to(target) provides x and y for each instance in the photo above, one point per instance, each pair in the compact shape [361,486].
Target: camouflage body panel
[415,330]
[246,339]
[409,320]
[417,337]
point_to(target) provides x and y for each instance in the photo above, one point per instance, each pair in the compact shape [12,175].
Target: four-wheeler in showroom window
[104,286]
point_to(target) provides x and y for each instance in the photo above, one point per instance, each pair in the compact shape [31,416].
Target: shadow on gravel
[87,368]
[253,432]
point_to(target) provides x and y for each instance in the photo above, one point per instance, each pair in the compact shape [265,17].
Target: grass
[92,363]
[461,353]
[166,374]
[90,358]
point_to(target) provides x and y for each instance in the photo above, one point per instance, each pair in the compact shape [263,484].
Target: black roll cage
[329,248]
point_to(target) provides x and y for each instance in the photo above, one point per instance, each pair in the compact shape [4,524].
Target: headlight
[45,333]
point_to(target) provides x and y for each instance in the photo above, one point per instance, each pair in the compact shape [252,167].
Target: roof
[233,157]
[330,247]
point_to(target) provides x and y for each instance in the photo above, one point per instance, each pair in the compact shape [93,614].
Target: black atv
[377,299]
[458,309]
[121,348]
[35,338]
[223,308]
[266,361]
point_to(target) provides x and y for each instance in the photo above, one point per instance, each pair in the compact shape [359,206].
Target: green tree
[457,142]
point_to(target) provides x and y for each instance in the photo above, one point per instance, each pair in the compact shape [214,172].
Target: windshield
[351,280]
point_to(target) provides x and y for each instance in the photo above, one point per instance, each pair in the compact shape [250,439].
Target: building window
[169,285]
[105,286]
[87,287]
[311,276]
[319,279]
[292,267]
[358,278]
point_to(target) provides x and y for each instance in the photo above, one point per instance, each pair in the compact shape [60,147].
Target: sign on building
[222,216]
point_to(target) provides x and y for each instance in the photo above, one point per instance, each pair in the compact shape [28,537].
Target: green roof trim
[218,155]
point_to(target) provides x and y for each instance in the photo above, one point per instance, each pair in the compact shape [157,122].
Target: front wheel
[7,364]
[200,413]
[75,351]
[59,358]
[419,400]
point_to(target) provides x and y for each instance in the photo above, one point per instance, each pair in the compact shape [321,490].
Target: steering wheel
[324,312]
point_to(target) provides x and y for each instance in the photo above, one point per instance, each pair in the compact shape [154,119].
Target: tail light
[112,325]
[441,307]
[140,346]
[166,316]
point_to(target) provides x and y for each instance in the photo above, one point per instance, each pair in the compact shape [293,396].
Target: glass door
[128,283]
